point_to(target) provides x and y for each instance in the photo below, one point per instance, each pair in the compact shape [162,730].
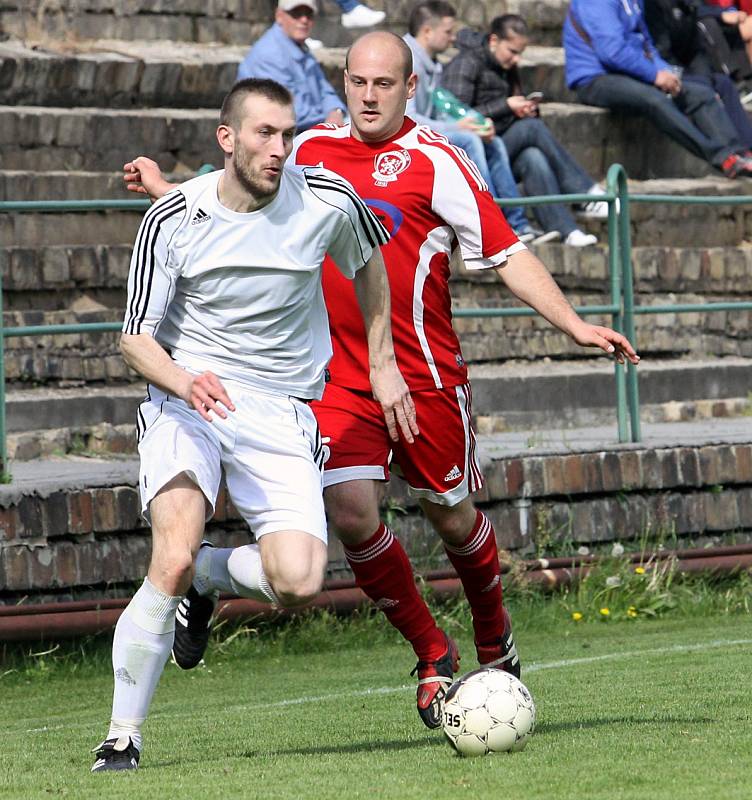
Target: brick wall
[93,541]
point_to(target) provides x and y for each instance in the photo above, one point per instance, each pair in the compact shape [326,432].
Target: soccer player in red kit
[432,199]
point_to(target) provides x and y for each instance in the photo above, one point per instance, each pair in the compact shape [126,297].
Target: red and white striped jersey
[431,198]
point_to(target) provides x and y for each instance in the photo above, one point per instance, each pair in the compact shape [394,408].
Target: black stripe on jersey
[377,234]
[376,227]
[144,273]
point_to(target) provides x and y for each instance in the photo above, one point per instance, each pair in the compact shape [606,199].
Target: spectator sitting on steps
[612,62]
[701,53]
[282,55]
[484,75]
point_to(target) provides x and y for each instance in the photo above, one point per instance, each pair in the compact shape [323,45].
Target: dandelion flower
[576,616]
[613,581]
[617,549]
[632,612]
[605,612]
[639,570]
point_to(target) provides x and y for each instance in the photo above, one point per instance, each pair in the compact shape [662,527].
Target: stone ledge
[59,533]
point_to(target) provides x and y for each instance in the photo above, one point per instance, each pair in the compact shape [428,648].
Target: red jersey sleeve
[461,199]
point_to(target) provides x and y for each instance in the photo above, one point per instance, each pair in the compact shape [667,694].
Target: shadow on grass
[543,728]
[356,747]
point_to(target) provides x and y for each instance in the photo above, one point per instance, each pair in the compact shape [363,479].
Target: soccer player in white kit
[225,319]
[432,200]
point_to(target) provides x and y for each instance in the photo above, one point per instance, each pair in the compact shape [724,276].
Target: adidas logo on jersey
[201,216]
[453,474]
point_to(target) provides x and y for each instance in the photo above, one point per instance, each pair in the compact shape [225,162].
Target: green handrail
[621,282]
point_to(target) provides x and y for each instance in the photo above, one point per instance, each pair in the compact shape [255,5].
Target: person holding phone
[484,75]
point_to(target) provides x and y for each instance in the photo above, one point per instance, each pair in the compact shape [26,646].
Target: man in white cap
[283,55]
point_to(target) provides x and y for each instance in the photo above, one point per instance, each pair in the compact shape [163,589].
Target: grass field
[626,709]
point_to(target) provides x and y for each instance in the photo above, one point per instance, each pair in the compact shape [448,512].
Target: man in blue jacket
[612,62]
[282,55]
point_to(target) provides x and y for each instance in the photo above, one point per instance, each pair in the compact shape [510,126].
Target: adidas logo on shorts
[201,216]
[453,474]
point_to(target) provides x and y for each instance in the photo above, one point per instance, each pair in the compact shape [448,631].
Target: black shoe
[501,654]
[193,620]
[434,678]
[116,754]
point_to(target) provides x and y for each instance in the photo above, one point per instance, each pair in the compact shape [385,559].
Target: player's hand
[522,107]
[390,390]
[336,117]
[608,340]
[206,393]
[144,176]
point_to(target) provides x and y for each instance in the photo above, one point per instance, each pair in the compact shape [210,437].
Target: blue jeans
[493,162]
[347,5]
[545,167]
[695,119]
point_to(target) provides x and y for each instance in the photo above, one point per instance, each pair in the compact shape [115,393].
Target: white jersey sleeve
[359,232]
[151,283]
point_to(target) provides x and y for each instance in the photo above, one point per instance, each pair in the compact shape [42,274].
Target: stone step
[653,225]
[89,138]
[53,277]
[238,22]
[48,139]
[173,74]
[597,138]
[70,524]
[514,395]
[579,393]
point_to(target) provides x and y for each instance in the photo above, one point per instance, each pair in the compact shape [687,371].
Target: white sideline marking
[534,667]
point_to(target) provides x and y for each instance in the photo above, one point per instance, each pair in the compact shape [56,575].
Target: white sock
[595,189]
[234,570]
[247,574]
[143,639]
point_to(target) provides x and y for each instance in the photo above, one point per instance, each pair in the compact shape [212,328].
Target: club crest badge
[388,166]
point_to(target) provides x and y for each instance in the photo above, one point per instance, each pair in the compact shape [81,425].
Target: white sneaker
[579,238]
[597,209]
[314,44]
[362,17]
[526,235]
[548,236]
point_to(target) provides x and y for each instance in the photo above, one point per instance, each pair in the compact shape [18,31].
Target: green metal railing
[621,307]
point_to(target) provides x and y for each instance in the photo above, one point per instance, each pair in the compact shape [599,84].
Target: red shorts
[441,465]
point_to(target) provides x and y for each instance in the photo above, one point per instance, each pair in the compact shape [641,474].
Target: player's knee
[173,570]
[298,587]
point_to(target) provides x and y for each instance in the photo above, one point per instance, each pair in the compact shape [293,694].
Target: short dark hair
[232,114]
[429,12]
[508,25]
[407,53]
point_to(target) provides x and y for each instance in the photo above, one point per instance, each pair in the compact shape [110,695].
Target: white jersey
[240,293]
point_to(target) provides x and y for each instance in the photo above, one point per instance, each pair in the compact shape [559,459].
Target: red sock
[477,563]
[383,571]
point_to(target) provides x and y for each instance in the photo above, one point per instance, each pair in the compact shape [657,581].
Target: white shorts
[269,447]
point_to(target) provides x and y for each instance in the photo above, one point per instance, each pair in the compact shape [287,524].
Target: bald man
[431,199]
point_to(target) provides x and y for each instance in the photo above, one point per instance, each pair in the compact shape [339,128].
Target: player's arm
[388,385]
[530,281]
[203,392]
[144,176]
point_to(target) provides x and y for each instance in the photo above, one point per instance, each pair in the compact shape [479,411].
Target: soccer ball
[488,711]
